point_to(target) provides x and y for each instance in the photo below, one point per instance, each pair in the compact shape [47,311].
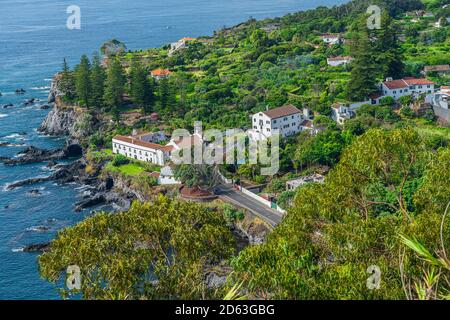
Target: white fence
[261,200]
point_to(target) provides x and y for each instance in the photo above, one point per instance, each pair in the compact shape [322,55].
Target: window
[254,119]
[267,122]
[268,130]
[274,121]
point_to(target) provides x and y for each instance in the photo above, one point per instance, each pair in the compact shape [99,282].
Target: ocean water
[33,42]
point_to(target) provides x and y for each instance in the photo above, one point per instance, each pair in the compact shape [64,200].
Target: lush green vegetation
[387,183]
[384,198]
[154,251]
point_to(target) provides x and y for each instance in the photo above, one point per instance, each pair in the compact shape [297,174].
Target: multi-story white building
[286,119]
[134,148]
[406,87]
[341,112]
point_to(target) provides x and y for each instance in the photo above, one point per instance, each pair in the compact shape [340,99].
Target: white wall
[139,153]
[287,126]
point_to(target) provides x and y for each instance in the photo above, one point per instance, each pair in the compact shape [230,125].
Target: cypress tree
[164,95]
[114,85]
[66,83]
[141,89]
[98,77]
[364,68]
[389,55]
[83,81]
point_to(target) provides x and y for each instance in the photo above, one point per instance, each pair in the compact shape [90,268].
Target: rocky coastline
[76,125]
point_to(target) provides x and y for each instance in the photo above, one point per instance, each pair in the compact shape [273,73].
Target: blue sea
[34,40]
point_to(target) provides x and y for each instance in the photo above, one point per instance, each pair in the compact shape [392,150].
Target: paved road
[272,217]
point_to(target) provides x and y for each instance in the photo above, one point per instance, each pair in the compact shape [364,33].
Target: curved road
[237,198]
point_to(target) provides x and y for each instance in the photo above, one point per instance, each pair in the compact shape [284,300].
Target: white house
[338,61]
[180,44]
[331,38]
[313,178]
[286,119]
[166,177]
[159,74]
[341,112]
[440,102]
[441,70]
[135,148]
[406,87]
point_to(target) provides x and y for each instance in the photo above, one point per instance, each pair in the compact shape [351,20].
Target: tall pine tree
[114,85]
[364,69]
[165,93]
[98,77]
[66,83]
[141,89]
[83,81]
[388,52]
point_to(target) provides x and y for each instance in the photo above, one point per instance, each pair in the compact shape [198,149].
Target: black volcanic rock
[73,151]
[33,155]
[38,247]
[20,91]
[99,199]
[35,192]
[30,102]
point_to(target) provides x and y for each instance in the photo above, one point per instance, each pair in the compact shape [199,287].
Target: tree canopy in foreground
[154,251]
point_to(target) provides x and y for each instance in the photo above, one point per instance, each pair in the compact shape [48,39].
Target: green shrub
[120,160]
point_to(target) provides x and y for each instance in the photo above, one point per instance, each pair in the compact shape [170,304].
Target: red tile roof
[282,111]
[155,174]
[406,82]
[307,123]
[161,72]
[328,35]
[375,96]
[339,58]
[186,39]
[444,67]
[396,84]
[145,144]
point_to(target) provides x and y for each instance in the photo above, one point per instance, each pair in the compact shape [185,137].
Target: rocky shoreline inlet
[64,121]
[99,189]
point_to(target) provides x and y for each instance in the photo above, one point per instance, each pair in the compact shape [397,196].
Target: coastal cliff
[65,119]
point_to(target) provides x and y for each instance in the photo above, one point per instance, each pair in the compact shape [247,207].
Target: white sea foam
[40,88]
[2,115]
[17,250]
[12,136]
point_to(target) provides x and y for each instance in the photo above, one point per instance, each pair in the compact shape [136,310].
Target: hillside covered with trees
[385,200]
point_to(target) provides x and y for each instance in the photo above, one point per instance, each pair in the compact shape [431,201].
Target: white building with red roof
[286,120]
[134,147]
[159,74]
[406,87]
[180,44]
